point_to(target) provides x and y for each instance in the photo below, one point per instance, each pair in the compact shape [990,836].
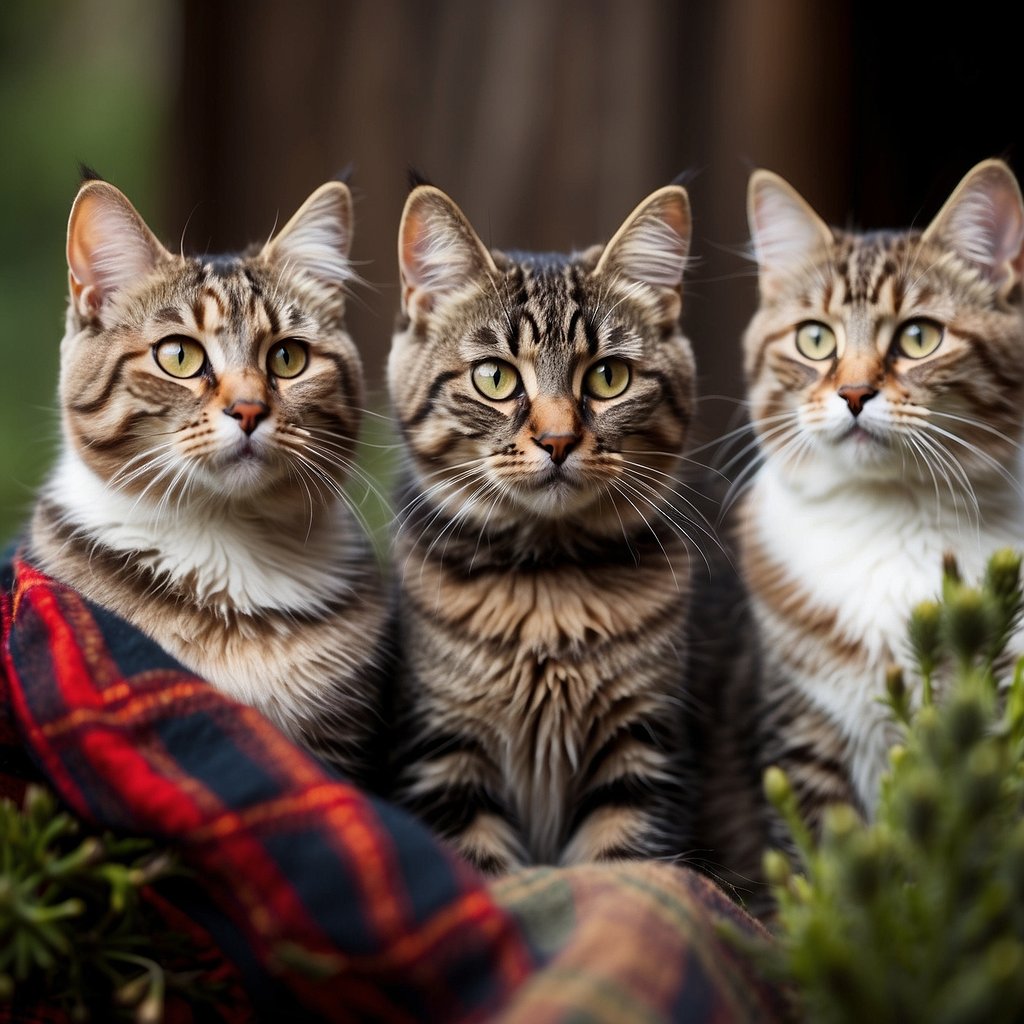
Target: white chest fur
[864,556]
[227,558]
[281,613]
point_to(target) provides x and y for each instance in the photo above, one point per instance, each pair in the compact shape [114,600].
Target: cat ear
[652,245]
[318,238]
[109,247]
[785,232]
[439,253]
[983,221]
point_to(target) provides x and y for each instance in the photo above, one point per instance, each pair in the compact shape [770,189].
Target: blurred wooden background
[547,120]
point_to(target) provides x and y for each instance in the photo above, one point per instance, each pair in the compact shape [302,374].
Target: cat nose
[557,446]
[855,395]
[248,413]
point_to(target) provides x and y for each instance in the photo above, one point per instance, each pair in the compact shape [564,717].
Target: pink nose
[248,413]
[855,395]
[557,446]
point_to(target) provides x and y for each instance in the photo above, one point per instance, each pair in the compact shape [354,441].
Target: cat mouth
[554,491]
[860,435]
[554,477]
[244,452]
[243,467]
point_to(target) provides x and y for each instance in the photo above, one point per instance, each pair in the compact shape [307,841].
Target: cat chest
[546,671]
[569,614]
[291,670]
[833,584]
[847,572]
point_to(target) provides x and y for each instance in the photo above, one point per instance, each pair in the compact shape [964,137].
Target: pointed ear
[109,247]
[983,222]
[785,232]
[318,238]
[652,245]
[439,253]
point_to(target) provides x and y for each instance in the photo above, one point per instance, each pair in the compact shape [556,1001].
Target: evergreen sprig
[919,915]
[75,928]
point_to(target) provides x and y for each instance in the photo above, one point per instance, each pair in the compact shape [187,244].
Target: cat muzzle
[558,446]
[249,414]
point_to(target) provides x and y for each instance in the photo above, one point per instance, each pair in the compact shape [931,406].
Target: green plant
[919,915]
[75,927]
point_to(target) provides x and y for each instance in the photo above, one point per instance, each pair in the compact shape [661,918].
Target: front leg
[807,745]
[637,799]
[457,789]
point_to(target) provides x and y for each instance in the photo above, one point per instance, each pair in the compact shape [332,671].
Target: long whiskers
[977,452]
[655,479]
[672,516]
[427,493]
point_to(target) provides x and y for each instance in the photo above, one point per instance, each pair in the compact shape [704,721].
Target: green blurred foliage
[84,81]
[919,914]
[79,930]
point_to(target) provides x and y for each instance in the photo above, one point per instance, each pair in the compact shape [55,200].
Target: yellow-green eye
[495,380]
[287,358]
[180,357]
[607,379]
[918,338]
[815,341]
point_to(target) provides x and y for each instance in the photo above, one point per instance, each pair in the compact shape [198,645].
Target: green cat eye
[918,338]
[607,379]
[495,379]
[180,357]
[815,341]
[287,358]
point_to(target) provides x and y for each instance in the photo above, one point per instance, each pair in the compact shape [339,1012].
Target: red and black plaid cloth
[284,856]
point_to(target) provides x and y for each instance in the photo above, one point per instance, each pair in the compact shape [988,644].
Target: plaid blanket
[285,856]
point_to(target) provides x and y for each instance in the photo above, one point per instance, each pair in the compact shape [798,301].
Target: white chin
[555,499]
[239,477]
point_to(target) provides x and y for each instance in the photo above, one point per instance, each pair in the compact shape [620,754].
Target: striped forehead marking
[551,309]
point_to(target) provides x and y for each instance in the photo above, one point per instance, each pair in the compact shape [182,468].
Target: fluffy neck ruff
[232,557]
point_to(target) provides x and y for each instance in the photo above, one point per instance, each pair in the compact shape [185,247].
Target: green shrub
[919,915]
[75,928]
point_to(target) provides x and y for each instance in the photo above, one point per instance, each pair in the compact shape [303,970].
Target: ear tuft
[109,247]
[439,253]
[983,222]
[316,241]
[415,178]
[87,173]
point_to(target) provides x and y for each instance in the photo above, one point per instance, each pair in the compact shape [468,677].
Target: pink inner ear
[676,216]
[109,247]
[414,248]
[1009,225]
[786,231]
[983,221]
[83,242]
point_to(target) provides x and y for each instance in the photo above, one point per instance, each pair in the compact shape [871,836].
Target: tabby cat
[886,384]
[544,401]
[210,406]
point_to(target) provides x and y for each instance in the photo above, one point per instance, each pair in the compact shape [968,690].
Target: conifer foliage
[919,915]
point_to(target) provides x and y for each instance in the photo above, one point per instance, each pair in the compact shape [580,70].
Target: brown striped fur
[542,559]
[207,510]
[876,460]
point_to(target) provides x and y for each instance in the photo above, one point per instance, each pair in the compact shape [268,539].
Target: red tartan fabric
[288,857]
[312,901]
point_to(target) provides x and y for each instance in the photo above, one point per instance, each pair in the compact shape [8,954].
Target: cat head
[197,377]
[895,355]
[555,386]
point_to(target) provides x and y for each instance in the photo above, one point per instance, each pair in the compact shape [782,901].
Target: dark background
[546,120]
